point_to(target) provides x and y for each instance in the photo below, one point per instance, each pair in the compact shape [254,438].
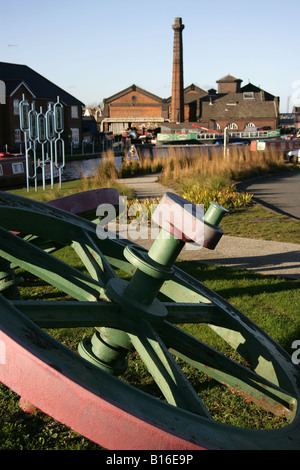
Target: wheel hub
[137,298]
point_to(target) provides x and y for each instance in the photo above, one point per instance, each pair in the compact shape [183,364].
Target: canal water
[84,168]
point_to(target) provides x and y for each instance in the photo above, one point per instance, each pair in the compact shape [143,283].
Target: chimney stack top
[178,24]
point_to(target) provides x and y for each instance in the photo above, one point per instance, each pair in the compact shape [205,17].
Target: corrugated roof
[40,86]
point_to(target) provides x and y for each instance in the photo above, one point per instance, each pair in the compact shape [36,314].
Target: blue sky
[95,48]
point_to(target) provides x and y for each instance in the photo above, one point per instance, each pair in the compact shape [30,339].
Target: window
[249,125]
[2,92]
[1,170]
[16,107]
[17,168]
[75,136]
[232,125]
[17,135]
[248,95]
[74,111]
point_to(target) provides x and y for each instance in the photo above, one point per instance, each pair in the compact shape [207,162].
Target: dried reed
[204,162]
[104,175]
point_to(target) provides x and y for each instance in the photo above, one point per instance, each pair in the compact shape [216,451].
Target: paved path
[279,192]
[260,256]
[146,186]
[264,257]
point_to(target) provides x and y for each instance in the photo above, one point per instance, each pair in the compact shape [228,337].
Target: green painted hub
[137,298]
[166,249]
[108,347]
[149,276]
[214,214]
[140,258]
[103,353]
[132,308]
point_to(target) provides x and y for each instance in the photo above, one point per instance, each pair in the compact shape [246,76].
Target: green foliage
[141,209]
[226,196]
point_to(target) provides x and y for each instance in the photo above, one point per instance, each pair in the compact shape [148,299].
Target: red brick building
[231,106]
[238,107]
[133,107]
[192,98]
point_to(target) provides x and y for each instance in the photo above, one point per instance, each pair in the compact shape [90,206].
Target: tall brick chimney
[177,101]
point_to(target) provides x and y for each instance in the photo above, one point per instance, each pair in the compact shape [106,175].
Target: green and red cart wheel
[141,314]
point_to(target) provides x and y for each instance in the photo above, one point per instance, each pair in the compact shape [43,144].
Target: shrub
[226,196]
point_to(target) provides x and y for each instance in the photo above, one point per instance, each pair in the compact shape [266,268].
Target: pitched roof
[229,79]
[40,86]
[254,88]
[232,109]
[11,86]
[191,93]
[131,88]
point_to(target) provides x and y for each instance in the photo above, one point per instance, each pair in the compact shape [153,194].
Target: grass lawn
[68,187]
[259,222]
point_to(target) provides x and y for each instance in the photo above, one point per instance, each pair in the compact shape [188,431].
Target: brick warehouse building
[230,106]
[238,107]
[133,107]
[19,80]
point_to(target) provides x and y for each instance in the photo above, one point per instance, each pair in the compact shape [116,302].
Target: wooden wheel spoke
[93,258]
[166,373]
[70,314]
[226,371]
[46,267]
[192,312]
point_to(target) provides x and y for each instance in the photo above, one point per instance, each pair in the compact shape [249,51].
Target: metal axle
[108,347]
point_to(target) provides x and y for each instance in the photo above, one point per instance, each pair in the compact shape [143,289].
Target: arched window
[249,125]
[232,126]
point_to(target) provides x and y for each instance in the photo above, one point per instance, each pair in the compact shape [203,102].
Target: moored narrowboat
[12,169]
